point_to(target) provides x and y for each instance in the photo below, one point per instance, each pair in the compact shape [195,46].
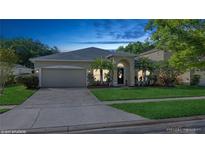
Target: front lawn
[15,95]
[3,110]
[163,110]
[109,94]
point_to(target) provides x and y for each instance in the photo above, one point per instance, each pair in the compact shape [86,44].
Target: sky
[70,34]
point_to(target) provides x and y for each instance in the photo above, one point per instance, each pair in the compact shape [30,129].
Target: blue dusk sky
[69,34]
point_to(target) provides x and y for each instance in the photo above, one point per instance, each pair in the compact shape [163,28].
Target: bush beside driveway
[111,94]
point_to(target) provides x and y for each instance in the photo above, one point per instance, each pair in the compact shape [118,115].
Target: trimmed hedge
[195,80]
[30,81]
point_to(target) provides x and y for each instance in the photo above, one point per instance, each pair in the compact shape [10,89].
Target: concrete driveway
[53,107]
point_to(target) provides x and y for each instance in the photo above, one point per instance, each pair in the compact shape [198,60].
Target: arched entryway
[123,72]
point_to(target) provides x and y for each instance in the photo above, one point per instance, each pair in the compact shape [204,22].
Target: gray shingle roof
[82,54]
[87,54]
[122,53]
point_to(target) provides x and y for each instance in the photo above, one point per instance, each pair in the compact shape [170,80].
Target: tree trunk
[1,82]
[2,89]
[101,76]
[143,76]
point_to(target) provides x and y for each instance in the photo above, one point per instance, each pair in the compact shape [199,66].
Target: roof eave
[121,56]
[48,60]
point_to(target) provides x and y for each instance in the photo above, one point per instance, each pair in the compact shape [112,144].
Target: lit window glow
[140,74]
[96,74]
[147,73]
[120,65]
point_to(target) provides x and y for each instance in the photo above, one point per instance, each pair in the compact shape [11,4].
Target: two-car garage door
[63,77]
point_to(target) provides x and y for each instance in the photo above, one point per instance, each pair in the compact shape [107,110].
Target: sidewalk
[152,100]
[7,106]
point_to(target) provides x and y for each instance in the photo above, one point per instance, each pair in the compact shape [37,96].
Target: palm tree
[102,64]
[145,64]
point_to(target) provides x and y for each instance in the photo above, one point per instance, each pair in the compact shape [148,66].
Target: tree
[121,48]
[7,60]
[184,38]
[136,47]
[27,48]
[102,64]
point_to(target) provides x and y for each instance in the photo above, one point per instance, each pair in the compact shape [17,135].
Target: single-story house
[71,69]
[20,69]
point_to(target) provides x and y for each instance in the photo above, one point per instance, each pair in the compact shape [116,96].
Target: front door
[120,75]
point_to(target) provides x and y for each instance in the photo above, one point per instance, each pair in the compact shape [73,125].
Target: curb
[85,128]
[74,129]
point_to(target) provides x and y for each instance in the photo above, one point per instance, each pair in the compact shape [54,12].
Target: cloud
[120,29]
[103,42]
[130,34]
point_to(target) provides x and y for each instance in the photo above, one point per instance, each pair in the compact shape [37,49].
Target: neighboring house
[160,55]
[20,69]
[70,69]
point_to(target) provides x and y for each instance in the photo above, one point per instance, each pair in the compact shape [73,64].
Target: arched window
[120,65]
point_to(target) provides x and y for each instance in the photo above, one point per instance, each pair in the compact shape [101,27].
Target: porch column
[115,77]
[132,73]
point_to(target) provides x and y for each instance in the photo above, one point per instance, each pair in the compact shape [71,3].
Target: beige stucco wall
[202,77]
[84,64]
[155,56]
[185,78]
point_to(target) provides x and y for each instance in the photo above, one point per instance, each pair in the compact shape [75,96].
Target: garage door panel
[63,78]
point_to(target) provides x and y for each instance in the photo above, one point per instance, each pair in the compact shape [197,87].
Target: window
[120,65]
[96,74]
[141,75]
[147,73]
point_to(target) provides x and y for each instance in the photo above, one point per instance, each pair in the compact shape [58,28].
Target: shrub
[167,75]
[195,79]
[152,80]
[10,80]
[108,77]
[91,79]
[30,81]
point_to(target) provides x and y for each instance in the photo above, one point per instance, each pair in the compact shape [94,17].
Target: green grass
[15,95]
[109,94]
[3,110]
[163,110]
